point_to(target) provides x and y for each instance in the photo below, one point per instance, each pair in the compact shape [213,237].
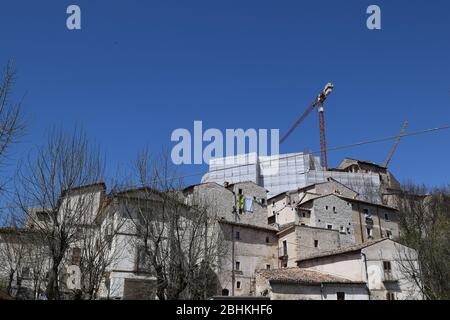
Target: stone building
[378,263]
[302,284]
[250,243]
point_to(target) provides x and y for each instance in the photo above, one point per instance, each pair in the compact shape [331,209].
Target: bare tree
[11,124]
[50,181]
[12,256]
[23,258]
[175,238]
[97,250]
[424,219]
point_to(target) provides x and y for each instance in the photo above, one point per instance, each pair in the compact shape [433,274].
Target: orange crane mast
[318,102]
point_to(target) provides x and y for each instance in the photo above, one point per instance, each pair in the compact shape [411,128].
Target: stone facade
[302,241]
[377,263]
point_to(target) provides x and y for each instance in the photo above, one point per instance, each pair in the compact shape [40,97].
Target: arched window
[225,292]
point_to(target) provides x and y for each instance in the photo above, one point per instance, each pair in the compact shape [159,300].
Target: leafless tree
[97,252]
[49,181]
[23,258]
[424,219]
[11,123]
[12,256]
[176,239]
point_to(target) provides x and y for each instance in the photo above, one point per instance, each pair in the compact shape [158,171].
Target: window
[225,292]
[267,240]
[25,272]
[326,207]
[389,234]
[342,230]
[268,266]
[285,265]
[76,256]
[334,210]
[329,226]
[238,265]
[386,217]
[263,201]
[238,284]
[348,230]
[284,248]
[303,214]
[387,266]
[390,296]
[340,295]
[369,233]
[141,259]
[366,213]
[240,191]
[316,243]
[238,235]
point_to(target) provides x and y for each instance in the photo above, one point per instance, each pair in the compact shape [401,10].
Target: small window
[329,226]
[303,214]
[342,230]
[238,284]
[366,212]
[26,272]
[76,256]
[238,235]
[386,217]
[326,207]
[285,265]
[389,234]
[263,201]
[369,233]
[267,240]
[334,210]
[240,191]
[390,296]
[268,266]
[340,295]
[387,266]
[238,265]
[225,292]
[316,243]
[348,230]
[273,203]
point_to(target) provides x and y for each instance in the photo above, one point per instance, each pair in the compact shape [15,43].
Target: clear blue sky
[140,69]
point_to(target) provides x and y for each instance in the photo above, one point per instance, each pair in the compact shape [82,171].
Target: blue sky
[140,69]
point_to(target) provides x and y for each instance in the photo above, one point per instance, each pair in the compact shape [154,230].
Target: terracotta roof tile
[298,275]
[353,248]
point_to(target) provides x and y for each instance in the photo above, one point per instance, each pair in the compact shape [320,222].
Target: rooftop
[303,276]
[350,249]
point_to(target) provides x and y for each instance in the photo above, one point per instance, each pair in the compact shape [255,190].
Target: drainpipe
[360,223]
[233,277]
[367,273]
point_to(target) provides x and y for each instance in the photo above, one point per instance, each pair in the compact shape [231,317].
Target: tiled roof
[343,250]
[302,276]
[247,225]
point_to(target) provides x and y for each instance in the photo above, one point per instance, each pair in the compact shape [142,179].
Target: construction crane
[318,102]
[394,147]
